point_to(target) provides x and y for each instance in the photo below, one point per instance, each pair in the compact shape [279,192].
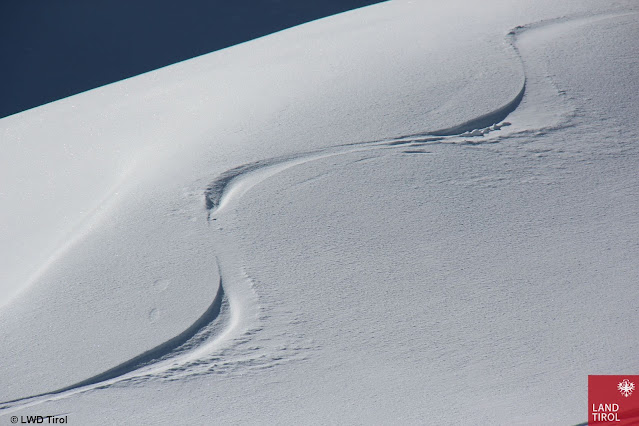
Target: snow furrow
[153,361]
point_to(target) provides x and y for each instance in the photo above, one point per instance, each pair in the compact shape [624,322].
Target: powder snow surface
[411,213]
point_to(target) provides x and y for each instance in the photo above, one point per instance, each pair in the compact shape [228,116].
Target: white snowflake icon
[626,387]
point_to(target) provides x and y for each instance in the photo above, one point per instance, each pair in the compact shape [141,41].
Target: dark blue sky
[52,49]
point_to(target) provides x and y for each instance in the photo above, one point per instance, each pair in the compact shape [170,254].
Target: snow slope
[307,228]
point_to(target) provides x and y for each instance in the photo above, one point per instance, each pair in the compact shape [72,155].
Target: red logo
[612,400]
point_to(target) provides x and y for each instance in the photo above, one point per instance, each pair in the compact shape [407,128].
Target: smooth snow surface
[412,213]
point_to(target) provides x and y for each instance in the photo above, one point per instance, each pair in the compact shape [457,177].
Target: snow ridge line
[213,192]
[216,192]
[161,352]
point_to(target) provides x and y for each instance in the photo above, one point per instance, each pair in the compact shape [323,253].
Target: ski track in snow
[229,319]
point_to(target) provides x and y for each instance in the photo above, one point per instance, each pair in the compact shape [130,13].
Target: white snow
[309,227]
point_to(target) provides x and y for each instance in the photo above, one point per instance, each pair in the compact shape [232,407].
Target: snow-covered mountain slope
[409,213]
